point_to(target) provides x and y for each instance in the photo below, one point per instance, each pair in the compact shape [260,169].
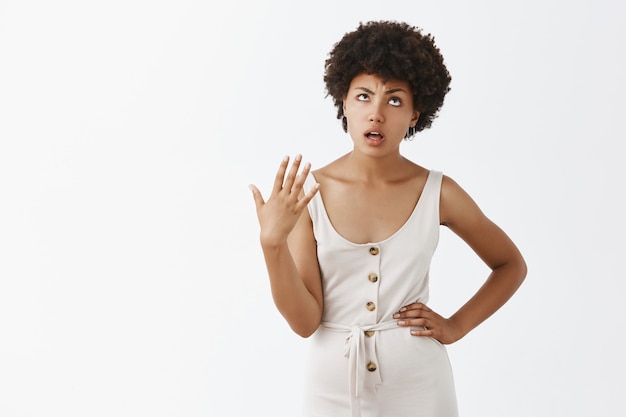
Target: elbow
[523,268]
[304,326]
[304,330]
[514,269]
[303,321]
[305,334]
[524,271]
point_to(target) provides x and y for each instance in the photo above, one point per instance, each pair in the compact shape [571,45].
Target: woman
[352,269]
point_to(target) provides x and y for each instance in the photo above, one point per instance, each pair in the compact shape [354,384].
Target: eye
[395,101]
[362,97]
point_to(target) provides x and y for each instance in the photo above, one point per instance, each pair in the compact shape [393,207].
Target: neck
[375,169]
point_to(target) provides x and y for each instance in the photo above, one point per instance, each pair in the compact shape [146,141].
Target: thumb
[256,194]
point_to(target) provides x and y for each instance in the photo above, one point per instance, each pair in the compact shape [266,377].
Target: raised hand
[434,325]
[279,214]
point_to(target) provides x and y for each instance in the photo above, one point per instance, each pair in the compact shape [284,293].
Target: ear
[343,106]
[415,118]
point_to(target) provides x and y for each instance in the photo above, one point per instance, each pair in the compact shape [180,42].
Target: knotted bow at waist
[355,352]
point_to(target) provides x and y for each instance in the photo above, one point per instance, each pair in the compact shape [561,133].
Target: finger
[256,194]
[420,322]
[298,184]
[420,306]
[423,332]
[280,175]
[301,178]
[293,172]
[415,306]
[412,310]
[415,314]
[308,196]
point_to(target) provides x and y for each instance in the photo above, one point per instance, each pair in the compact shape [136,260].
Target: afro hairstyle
[392,51]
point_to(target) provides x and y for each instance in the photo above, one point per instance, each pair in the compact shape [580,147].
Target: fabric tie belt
[355,352]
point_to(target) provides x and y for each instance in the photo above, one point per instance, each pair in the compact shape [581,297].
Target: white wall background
[131,280]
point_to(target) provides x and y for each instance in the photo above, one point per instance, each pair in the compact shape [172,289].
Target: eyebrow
[390,91]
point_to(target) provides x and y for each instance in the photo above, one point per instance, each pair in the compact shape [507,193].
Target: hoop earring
[344,124]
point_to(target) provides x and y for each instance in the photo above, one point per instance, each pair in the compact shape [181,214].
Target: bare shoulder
[460,213]
[456,205]
[334,170]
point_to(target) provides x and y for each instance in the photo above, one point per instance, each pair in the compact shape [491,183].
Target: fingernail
[298,157]
[401,323]
[395,316]
[403,309]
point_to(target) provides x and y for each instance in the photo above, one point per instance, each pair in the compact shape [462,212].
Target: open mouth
[374,135]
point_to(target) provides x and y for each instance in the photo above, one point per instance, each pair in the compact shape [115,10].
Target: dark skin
[461,215]
[369,193]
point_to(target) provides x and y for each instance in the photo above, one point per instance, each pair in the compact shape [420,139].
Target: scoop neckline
[390,237]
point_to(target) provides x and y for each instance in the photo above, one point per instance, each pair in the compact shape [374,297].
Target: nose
[377,115]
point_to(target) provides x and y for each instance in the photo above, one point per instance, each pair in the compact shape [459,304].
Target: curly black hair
[390,50]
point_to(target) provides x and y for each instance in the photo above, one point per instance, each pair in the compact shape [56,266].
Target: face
[378,113]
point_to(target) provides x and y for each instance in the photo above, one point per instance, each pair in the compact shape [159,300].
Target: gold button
[369,333]
[373,277]
[374,251]
[370,306]
[371,366]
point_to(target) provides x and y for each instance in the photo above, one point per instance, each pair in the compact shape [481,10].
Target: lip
[374,140]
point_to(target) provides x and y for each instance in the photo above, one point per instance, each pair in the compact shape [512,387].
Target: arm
[289,249]
[508,269]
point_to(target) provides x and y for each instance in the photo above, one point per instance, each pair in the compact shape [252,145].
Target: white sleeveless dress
[362,364]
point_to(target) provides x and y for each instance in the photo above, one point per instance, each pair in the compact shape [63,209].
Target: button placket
[371,281]
[373,264]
